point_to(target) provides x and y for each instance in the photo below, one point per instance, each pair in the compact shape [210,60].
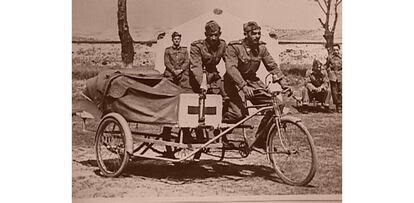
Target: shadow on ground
[189,172]
[311,109]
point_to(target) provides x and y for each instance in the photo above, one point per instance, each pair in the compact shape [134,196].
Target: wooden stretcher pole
[202,98]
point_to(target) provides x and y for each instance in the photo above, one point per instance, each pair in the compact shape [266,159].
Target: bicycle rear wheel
[292,152]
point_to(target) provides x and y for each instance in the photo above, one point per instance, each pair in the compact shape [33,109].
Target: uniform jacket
[203,55]
[314,80]
[242,61]
[334,67]
[175,59]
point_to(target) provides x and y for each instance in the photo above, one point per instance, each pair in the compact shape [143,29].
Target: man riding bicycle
[242,61]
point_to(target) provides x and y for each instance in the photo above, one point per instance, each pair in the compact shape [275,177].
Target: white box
[189,107]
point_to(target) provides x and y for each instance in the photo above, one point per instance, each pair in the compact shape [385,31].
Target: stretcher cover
[141,96]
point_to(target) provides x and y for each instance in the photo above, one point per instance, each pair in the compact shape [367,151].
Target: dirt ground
[231,177]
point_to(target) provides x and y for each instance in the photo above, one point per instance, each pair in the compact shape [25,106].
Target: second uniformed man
[207,53]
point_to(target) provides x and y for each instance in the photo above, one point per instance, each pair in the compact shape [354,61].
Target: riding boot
[262,130]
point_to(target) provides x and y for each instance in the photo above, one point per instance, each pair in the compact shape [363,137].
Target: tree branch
[336,15]
[328,9]
[323,25]
[338,2]
[326,2]
[320,5]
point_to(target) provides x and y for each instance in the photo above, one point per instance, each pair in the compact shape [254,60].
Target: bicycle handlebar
[286,90]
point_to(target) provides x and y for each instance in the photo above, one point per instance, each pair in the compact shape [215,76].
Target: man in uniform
[207,53]
[243,59]
[316,86]
[334,69]
[176,60]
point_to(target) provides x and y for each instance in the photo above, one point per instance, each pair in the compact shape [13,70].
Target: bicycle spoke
[110,147]
[291,153]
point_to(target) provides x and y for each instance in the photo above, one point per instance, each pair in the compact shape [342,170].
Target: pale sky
[100,15]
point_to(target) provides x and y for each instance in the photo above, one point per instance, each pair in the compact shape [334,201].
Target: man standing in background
[176,60]
[334,69]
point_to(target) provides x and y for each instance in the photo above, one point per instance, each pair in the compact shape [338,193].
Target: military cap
[174,34]
[249,26]
[212,26]
[316,63]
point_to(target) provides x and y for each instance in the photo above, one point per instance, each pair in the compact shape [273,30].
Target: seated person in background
[176,60]
[316,86]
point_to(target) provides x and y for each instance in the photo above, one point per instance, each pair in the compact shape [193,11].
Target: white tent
[231,28]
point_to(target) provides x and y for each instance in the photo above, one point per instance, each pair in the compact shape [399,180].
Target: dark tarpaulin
[136,95]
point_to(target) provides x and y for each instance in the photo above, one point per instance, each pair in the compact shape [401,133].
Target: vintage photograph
[216,99]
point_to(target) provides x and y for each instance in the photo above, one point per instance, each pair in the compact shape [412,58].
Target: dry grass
[83,72]
[294,69]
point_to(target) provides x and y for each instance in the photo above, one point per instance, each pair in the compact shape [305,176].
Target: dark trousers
[235,109]
[336,91]
[166,136]
[323,96]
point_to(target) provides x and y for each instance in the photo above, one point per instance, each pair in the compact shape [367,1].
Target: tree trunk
[326,7]
[329,38]
[127,44]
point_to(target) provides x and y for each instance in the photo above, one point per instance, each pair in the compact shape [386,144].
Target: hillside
[148,34]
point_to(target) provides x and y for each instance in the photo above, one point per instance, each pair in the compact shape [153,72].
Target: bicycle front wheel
[292,152]
[110,145]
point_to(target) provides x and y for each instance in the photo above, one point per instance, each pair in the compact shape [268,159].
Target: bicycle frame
[228,127]
[274,107]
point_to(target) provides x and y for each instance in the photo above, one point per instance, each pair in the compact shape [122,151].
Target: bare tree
[127,43]
[328,7]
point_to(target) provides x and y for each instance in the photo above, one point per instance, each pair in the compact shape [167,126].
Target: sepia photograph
[207,100]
